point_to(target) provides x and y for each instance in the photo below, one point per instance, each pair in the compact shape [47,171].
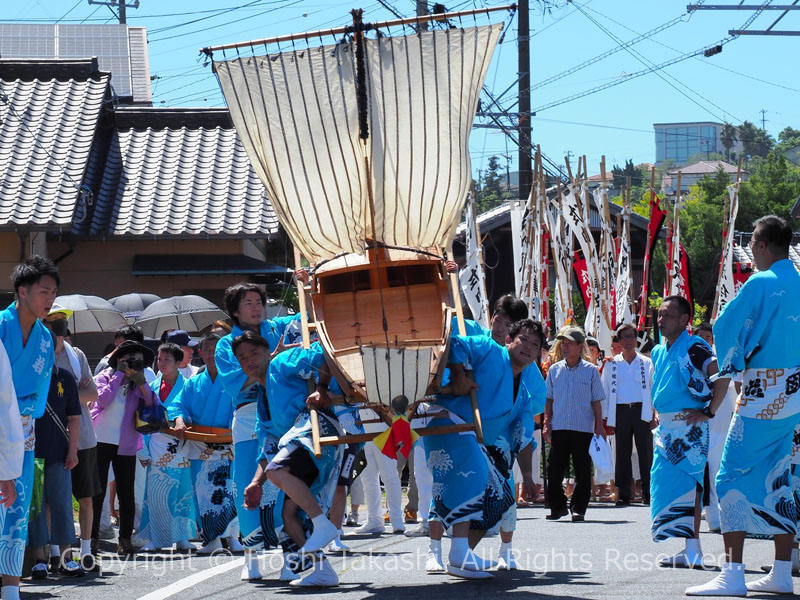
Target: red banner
[579,264]
[657,216]
[740,274]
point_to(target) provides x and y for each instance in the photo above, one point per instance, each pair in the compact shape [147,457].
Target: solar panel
[109,43]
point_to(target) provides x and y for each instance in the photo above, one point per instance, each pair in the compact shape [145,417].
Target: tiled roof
[178,172]
[705,167]
[48,118]
[742,253]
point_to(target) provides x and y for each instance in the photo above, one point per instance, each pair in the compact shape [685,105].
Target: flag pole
[644,303]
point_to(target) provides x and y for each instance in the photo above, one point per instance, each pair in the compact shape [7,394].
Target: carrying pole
[301,300]
[462,330]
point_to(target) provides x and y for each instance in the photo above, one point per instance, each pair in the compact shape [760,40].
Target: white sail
[297,114]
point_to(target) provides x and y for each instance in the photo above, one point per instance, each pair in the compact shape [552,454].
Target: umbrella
[190,313]
[132,305]
[90,313]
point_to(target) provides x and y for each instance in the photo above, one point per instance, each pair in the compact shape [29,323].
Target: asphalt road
[610,555]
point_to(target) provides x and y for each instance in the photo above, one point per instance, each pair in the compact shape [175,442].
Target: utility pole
[763,120]
[422,10]
[524,46]
[121,5]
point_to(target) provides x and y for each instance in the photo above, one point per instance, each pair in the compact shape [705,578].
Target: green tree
[773,187]
[621,174]
[490,191]
[728,138]
[787,139]
[756,142]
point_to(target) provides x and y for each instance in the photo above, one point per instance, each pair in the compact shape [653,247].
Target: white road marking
[192,580]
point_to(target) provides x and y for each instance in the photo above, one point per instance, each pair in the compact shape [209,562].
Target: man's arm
[599,429]
[87,389]
[253,492]
[548,419]
[74,428]
[598,398]
[525,461]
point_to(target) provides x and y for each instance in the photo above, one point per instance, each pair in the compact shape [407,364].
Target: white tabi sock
[459,552]
[505,547]
[10,592]
[729,582]
[694,554]
[251,560]
[55,551]
[86,547]
[778,581]
[435,545]
[319,520]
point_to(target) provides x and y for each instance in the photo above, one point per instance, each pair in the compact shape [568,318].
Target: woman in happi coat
[168,514]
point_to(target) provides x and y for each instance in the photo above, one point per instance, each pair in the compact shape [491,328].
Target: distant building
[691,174]
[680,141]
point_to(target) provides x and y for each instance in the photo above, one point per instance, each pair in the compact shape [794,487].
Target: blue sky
[752,72]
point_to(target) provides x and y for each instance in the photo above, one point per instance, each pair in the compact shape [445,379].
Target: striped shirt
[573,390]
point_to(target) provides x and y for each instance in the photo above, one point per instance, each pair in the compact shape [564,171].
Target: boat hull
[384,321]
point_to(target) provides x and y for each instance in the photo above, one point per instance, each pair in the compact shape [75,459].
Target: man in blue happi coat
[307,482]
[683,365]
[30,349]
[757,334]
[472,487]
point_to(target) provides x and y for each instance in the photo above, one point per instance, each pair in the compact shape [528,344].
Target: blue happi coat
[757,334]
[203,402]
[229,369]
[31,369]
[31,362]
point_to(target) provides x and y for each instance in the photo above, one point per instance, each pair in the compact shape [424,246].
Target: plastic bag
[600,451]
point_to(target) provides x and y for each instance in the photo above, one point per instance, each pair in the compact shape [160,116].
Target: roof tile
[46,130]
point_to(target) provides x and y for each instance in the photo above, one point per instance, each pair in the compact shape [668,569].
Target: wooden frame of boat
[389,298]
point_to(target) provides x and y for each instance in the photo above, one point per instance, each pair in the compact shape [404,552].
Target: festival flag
[561,246]
[624,277]
[740,276]
[608,252]
[657,216]
[726,286]
[399,437]
[518,214]
[545,273]
[584,281]
[472,277]
[678,281]
[597,321]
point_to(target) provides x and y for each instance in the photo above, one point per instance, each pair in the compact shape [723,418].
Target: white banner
[518,241]
[472,277]
[561,246]
[597,321]
[624,277]
[726,287]
[676,273]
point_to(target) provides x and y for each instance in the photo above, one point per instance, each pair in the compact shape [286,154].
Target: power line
[218,13]
[638,56]
[611,52]
[69,11]
[705,62]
